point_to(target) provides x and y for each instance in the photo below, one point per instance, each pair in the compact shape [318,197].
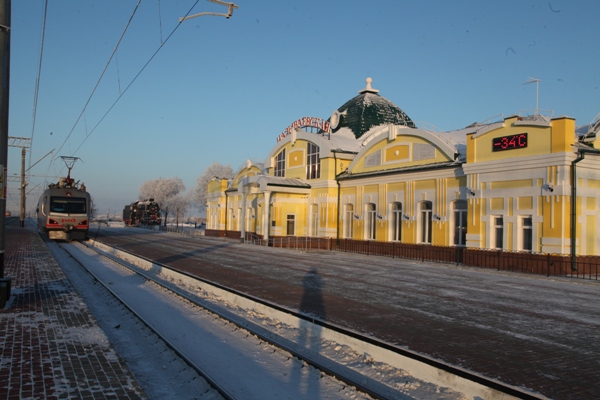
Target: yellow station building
[368,172]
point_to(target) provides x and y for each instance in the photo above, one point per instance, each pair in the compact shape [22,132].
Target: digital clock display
[509,142]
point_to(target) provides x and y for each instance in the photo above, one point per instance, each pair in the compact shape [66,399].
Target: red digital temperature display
[509,142]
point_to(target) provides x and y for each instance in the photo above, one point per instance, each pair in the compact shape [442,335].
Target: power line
[37,82]
[101,75]
[134,79]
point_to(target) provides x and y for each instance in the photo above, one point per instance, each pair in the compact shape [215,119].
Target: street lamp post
[5,24]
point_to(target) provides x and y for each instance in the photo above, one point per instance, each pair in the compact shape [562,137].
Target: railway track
[301,338]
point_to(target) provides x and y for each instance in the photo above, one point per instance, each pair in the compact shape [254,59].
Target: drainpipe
[338,196]
[580,156]
[226,212]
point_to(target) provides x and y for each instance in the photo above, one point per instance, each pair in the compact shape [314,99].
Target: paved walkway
[530,331]
[51,347]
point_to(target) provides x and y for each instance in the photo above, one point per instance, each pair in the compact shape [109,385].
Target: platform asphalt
[51,347]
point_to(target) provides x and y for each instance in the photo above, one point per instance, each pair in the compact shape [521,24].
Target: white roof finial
[368,88]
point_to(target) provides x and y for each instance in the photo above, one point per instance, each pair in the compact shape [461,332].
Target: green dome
[367,110]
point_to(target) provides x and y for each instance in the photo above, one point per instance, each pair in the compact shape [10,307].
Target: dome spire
[368,89]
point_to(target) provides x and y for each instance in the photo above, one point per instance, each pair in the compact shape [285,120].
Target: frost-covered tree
[180,205]
[212,171]
[167,192]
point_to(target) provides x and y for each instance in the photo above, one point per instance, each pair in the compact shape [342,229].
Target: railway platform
[51,345]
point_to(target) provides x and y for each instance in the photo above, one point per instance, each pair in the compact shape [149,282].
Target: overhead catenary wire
[134,79]
[37,81]
[88,134]
[101,76]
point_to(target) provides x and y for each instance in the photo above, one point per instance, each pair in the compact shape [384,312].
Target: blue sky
[224,89]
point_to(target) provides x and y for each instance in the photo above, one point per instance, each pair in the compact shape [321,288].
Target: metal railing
[587,267]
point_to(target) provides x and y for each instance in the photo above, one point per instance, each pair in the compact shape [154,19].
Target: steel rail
[310,361]
[212,382]
[451,369]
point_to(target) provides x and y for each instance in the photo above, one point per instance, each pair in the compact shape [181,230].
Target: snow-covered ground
[163,376]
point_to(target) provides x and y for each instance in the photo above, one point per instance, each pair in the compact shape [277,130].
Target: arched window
[313,227]
[460,222]
[348,221]
[313,162]
[425,211]
[371,221]
[280,164]
[396,221]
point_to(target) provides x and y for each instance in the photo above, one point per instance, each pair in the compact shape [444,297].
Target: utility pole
[23,143]
[22,211]
[5,10]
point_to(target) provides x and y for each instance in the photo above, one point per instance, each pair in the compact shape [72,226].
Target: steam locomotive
[142,212]
[64,210]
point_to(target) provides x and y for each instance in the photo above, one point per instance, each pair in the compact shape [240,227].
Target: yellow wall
[563,134]
[400,145]
[540,140]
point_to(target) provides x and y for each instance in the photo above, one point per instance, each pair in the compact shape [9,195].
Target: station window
[313,162]
[460,223]
[314,220]
[230,221]
[348,221]
[425,214]
[213,222]
[280,164]
[396,221]
[371,221]
[526,233]
[498,232]
[291,225]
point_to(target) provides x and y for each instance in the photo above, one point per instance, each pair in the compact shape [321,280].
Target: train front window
[68,205]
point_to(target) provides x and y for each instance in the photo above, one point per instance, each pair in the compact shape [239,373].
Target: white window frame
[425,224]
[214,218]
[525,231]
[396,221]
[290,218]
[230,222]
[497,230]
[313,227]
[313,169]
[371,221]
[279,169]
[460,210]
[348,232]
